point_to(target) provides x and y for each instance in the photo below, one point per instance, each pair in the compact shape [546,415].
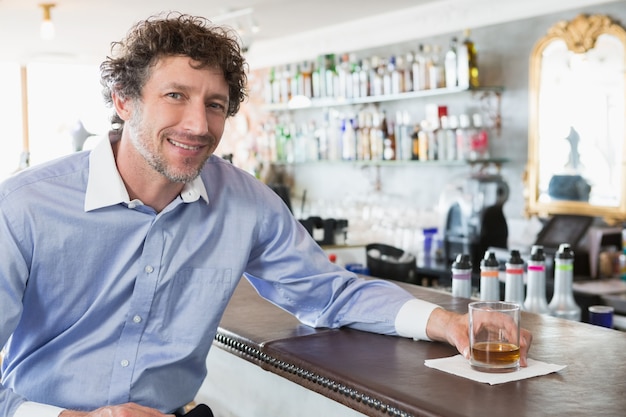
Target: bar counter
[385,376]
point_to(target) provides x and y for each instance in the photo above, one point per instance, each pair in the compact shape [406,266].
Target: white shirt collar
[106,188]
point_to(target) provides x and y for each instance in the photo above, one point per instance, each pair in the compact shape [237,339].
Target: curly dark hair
[128,69]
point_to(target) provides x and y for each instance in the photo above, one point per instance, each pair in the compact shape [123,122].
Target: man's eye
[217,106]
[174,95]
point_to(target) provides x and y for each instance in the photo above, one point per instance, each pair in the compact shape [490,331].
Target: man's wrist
[437,325]
[71,413]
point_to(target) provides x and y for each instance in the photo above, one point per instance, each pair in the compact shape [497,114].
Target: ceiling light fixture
[47,27]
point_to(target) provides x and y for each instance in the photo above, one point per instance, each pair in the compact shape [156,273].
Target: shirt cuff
[412,319]
[33,409]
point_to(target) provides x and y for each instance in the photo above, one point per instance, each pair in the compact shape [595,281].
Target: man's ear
[123,106]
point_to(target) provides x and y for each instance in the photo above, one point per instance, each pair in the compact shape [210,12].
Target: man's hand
[123,410]
[447,326]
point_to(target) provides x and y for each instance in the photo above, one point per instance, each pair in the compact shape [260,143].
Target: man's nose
[195,120]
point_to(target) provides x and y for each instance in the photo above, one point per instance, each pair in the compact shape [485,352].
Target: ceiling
[85,28]
[289,29]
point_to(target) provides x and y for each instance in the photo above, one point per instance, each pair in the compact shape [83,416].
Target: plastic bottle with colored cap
[622,256]
[514,279]
[489,280]
[462,276]
[536,301]
[563,304]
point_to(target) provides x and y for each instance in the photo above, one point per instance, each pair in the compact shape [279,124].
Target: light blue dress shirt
[105,301]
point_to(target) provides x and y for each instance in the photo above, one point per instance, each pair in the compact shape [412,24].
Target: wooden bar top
[385,376]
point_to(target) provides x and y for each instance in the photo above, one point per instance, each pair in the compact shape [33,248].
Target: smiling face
[179,120]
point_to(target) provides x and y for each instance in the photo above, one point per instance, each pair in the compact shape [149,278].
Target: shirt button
[132,205]
[149,269]
[137,319]
[124,363]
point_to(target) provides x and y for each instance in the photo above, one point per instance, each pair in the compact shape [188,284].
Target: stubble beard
[140,136]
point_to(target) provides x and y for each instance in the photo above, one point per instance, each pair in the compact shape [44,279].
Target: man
[118,263]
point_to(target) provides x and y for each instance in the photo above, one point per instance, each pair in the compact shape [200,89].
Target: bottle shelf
[302,102]
[497,162]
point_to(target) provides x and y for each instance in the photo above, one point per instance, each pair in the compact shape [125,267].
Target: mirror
[577,128]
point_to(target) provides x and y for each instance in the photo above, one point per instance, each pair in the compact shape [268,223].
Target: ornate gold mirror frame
[577,127]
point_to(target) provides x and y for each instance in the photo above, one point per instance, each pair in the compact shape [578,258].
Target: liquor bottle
[317,78]
[300,143]
[388,66]
[430,129]
[436,74]
[289,147]
[563,304]
[419,70]
[295,80]
[408,72]
[279,143]
[535,301]
[285,84]
[312,150]
[355,70]
[489,278]
[389,140]
[345,78]
[440,140]
[428,63]
[322,138]
[451,65]
[514,279]
[462,276]
[376,137]
[448,127]
[463,137]
[276,75]
[403,135]
[393,141]
[348,140]
[364,123]
[463,66]
[415,142]
[334,135]
[397,75]
[269,85]
[467,71]
[306,84]
[376,76]
[479,139]
[364,78]
[330,74]
[424,141]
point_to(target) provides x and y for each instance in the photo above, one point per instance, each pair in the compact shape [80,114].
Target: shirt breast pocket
[195,299]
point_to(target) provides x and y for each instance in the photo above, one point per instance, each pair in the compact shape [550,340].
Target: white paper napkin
[460,366]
